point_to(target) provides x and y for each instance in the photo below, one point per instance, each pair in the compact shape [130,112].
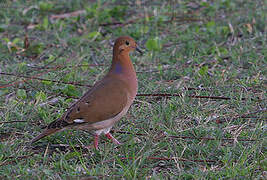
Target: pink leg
[108,135]
[96,142]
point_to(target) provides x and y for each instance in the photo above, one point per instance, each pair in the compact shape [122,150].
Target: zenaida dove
[106,102]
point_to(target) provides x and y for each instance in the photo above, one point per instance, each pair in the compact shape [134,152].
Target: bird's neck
[122,64]
[123,69]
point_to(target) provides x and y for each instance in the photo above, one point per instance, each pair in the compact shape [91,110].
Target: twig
[67,15]
[66,146]
[207,138]
[186,137]
[63,66]
[27,78]
[180,19]
[119,23]
[14,159]
[168,159]
[125,132]
[210,97]
[6,122]
[152,71]
[41,79]
[247,115]
[255,112]
[194,96]
[179,95]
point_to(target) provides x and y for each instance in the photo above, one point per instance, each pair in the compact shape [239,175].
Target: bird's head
[125,44]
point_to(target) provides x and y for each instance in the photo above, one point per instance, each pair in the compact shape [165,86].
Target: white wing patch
[78,120]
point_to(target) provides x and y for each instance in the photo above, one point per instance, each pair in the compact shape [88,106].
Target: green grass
[218,48]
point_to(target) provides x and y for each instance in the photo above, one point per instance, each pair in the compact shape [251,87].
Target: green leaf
[42,113]
[44,6]
[211,26]
[6,39]
[103,16]
[45,22]
[225,30]
[144,29]
[35,49]
[160,69]
[50,58]
[118,12]
[153,44]
[22,66]
[93,35]
[72,155]
[3,91]
[46,82]
[1,157]
[3,27]
[203,71]
[40,96]
[74,40]
[85,66]
[70,90]
[91,12]
[16,40]
[69,77]
[21,93]
[69,100]
[223,51]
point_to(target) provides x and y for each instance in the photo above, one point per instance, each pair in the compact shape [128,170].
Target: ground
[200,112]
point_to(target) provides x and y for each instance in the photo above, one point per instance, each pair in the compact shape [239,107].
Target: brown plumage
[107,101]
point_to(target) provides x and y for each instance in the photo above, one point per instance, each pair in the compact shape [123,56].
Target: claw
[108,135]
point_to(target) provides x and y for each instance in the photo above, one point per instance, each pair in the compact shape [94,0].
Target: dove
[107,101]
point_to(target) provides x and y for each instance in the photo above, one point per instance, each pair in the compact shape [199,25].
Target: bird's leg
[96,142]
[108,135]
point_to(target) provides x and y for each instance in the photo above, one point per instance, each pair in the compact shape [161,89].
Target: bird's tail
[47,132]
[55,126]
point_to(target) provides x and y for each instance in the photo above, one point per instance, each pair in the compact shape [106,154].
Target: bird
[107,101]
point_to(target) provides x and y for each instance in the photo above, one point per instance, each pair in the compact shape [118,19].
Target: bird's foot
[108,135]
[96,142]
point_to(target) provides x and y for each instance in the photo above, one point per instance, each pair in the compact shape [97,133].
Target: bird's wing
[102,102]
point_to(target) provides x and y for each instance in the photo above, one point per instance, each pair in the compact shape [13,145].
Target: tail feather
[53,127]
[47,132]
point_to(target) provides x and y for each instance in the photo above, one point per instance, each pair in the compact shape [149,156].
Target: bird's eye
[127,43]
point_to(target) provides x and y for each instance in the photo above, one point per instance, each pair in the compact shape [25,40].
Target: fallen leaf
[249,28]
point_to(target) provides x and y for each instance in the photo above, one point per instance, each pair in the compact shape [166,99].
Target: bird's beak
[139,50]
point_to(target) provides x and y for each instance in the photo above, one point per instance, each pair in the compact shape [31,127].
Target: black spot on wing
[58,124]
[63,122]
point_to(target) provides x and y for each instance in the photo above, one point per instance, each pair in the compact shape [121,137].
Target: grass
[193,48]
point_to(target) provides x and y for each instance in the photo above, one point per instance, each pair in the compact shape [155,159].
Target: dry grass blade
[7,122]
[169,159]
